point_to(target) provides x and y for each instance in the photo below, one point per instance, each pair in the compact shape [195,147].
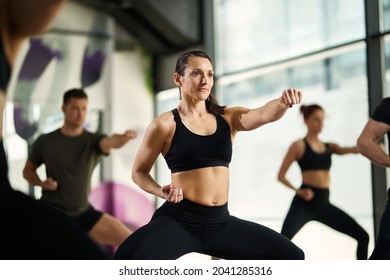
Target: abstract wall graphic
[52,65]
[25,128]
[93,62]
[36,60]
[94,57]
[34,65]
[95,53]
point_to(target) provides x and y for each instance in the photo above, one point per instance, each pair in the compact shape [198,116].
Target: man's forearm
[373,152]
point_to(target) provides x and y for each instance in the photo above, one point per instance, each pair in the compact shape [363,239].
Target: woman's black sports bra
[315,161]
[190,151]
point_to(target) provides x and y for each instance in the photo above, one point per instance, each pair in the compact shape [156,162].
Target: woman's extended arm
[339,150]
[244,119]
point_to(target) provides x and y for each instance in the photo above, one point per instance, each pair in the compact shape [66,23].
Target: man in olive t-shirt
[70,155]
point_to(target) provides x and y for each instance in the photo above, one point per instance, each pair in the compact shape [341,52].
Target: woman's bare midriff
[316,178]
[207,186]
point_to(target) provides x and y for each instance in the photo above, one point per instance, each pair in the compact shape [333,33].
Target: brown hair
[74,93]
[308,110]
[212,105]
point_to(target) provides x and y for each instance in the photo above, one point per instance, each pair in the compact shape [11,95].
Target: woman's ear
[177,79]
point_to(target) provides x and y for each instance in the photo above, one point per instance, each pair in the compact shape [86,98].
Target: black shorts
[88,218]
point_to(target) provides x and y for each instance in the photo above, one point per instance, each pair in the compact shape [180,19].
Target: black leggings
[321,210]
[382,244]
[178,229]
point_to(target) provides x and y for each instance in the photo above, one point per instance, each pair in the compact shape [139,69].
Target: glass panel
[386,14]
[387,65]
[387,88]
[268,31]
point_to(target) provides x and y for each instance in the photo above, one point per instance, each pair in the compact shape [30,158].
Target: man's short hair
[74,93]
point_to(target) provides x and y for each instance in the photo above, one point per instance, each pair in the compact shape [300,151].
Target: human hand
[172,193]
[306,194]
[290,97]
[130,134]
[117,140]
[50,184]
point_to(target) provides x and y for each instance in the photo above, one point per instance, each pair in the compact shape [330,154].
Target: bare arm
[243,119]
[116,141]
[20,19]
[147,154]
[294,153]
[290,157]
[155,140]
[338,150]
[31,17]
[367,142]
[31,175]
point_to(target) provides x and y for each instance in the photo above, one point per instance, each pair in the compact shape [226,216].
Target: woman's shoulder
[165,117]
[164,121]
[299,142]
[298,145]
[298,148]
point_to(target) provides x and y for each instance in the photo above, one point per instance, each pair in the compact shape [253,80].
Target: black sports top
[190,151]
[315,161]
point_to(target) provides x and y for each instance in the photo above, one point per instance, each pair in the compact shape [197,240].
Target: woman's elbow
[25,174]
[135,176]
[365,146]
[280,177]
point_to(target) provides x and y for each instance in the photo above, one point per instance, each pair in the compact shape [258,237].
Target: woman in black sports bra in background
[311,201]
[196,140]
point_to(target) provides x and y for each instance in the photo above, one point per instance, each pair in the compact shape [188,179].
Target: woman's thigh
[162,238]
[241,239]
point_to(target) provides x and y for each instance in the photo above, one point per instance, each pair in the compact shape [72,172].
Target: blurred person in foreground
[29,228]
[375,129]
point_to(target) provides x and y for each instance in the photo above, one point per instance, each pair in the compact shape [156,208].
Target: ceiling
[160,26]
